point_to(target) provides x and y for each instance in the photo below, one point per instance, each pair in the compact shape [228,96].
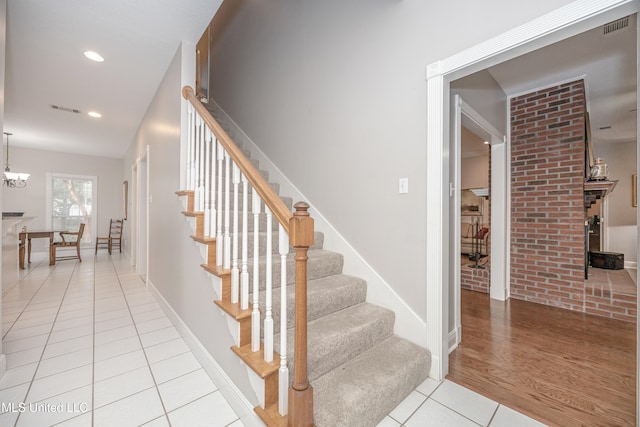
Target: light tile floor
[87,345]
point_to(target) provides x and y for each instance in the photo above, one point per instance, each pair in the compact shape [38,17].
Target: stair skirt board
[359,369]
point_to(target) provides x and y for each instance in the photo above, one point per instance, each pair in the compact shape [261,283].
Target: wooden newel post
[301,392]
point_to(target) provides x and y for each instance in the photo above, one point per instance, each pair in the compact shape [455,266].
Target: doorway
[479,209]
[140,220]
[558,25]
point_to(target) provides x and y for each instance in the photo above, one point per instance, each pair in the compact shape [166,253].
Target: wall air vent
[614,26]
[68,110]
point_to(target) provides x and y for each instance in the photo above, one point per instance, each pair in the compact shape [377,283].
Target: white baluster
[268,320]
[226,256]
[235,272]
[192,163]
[196,164]
[207,183]
[189,148]
[283,373]
[219,239]
[193,153]
[212,187]
[203,141]
[244,272]
[255,314]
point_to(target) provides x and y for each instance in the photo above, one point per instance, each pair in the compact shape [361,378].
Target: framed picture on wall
[470,204]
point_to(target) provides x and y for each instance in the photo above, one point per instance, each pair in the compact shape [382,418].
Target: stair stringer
[408,324]
[256,382]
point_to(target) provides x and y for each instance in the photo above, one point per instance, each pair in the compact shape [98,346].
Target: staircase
[357,368]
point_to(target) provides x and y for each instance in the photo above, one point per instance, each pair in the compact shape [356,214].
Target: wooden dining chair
[70,239]
[114,240]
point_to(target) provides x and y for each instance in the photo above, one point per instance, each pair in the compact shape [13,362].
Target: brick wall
[547,208]
[475,279]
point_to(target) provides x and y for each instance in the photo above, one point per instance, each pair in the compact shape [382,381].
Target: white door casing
[560,24]
[499,288]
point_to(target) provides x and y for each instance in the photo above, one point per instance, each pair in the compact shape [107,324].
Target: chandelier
[13,179]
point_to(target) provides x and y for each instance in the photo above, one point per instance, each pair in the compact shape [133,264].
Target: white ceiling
[45,66]
[608,66]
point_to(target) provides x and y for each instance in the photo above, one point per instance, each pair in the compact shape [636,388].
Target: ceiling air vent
[68,110]
[614,26]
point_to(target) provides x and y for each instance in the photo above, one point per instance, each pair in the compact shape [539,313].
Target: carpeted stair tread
[361,392]
[288,201]
[321,263]
[325,295]
[275,186]
[339,337]
[275,243]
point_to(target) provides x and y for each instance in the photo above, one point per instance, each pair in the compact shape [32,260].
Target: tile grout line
[29,302]
[155,383]
[456,412]
[420,405]
[494,415]
[27,274]
[33,379]
[462,415]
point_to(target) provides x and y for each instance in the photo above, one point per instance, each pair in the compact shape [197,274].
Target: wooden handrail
[271,199]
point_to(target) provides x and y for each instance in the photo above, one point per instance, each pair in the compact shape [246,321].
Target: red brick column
[547,201]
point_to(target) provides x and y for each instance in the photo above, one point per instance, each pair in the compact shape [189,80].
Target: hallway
[91,337]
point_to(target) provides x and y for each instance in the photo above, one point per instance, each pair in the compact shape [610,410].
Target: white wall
[481,91]
[174,259]
[475,172]
[32,198]
[3,43]
[621,219]
[335,94]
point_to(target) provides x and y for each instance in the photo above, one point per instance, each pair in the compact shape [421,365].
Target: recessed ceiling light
[94,56]
[486,143]
[94,114]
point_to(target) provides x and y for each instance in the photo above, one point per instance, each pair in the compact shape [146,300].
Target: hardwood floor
[560,367]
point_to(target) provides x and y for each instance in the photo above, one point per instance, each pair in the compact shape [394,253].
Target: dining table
[25,240]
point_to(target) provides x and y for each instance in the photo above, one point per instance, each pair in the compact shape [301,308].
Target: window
[71,200]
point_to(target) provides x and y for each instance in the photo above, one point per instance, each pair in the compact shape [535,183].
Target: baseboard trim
[454,339]
[408,324]
[239,403]
[630,264]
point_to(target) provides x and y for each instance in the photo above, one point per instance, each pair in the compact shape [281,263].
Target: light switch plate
[403,185]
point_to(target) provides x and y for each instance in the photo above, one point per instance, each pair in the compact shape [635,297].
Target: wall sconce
[13,179]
